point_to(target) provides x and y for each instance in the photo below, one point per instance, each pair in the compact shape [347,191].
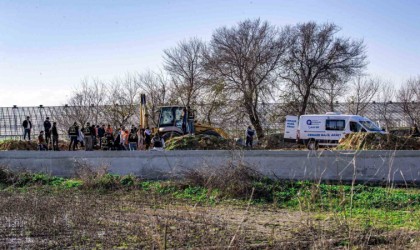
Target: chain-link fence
[232,120]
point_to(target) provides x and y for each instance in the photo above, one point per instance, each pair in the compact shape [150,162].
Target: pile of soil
[373,141]
[276,141]
[28,145]
[199,142]
[18,145]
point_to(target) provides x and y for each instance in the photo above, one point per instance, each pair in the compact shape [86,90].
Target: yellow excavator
[171,121]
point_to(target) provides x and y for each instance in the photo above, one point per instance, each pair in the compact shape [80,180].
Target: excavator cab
[171,120]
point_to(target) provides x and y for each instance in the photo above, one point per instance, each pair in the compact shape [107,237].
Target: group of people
[106,138]
[45,137]
[100,137]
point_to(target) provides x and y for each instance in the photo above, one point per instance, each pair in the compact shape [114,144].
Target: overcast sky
[48,47]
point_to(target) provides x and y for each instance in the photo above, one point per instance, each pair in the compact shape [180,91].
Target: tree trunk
[331,105]
[305,99]
[255,121]
[304,105]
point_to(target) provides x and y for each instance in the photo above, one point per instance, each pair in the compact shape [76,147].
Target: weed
[234,180]
[135,213]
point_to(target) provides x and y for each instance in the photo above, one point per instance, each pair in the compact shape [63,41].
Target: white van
[326,130]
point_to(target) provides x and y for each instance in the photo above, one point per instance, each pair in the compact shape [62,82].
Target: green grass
[365,205]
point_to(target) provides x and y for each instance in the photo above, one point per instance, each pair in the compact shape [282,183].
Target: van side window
[335,124]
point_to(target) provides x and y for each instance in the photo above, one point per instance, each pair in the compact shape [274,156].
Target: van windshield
[370,125]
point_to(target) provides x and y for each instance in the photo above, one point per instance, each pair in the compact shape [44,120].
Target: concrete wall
[365,166]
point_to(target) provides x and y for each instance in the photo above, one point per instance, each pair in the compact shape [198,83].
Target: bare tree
[317,56]
[409,98]
[155,86]
[362,92]
[385,109]
[245,59]
[85,103]
[213,103]
[184,63]
[330,92]
[123,101]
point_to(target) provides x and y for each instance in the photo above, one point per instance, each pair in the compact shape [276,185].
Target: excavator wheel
[168,135]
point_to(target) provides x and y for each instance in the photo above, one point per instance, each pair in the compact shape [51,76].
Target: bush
[6,176]
[234,180]
[99,178]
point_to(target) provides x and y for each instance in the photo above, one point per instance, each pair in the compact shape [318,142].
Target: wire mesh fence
[271,115]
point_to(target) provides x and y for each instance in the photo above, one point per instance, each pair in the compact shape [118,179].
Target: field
[237,209]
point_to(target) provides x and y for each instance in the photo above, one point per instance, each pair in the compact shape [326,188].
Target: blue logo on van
[309,122]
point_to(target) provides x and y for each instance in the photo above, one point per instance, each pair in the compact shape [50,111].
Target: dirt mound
[209,142]
[276,141]
[27,145]
[373,141]
[18,145]
[200,142]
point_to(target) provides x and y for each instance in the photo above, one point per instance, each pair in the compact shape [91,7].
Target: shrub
[234,180]
[6,176]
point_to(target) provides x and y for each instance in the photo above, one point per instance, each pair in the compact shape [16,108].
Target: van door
[356,127]
[334,129]
[290,128]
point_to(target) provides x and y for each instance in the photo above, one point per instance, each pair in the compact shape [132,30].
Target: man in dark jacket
[54,133]
[191,117]
[133,139]
[47,129]
[27,126]
[249,136]
[41,142]
[93,134]
[73,133]
[87,133]
[101,134]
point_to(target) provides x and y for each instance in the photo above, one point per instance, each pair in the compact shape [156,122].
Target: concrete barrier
[364,166]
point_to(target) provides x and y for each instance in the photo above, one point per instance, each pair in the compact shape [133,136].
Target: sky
[48,47]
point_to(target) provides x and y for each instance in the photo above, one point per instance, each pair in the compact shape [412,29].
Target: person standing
[140,143]
[133,139]
[117,139]
[47,129]
[125,136]
[41,142]
[27,126]
[109,129]
[184,120]
[80,137]
[249,136]
[87,133]
[158,142]
[101,134]
[73,133]
[93,135]
[54,133]
[191,118]
[147,137]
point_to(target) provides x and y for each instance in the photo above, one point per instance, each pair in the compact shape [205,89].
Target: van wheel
[312,144]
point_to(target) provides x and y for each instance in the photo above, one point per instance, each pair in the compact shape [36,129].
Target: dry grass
[102,214]
[374,141]
[234,180]
[75,219]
